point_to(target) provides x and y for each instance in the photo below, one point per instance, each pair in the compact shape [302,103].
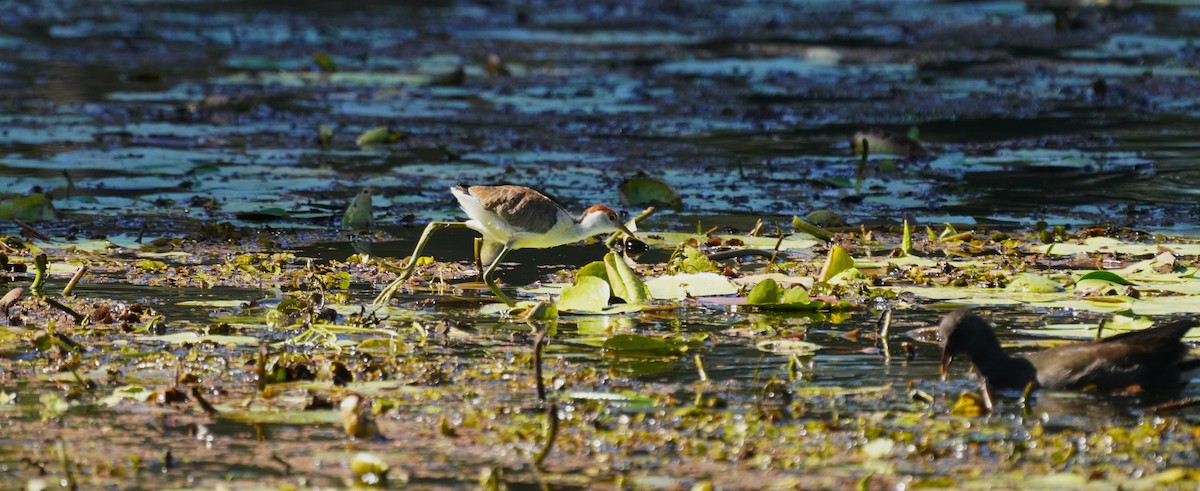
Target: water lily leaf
[1117,325]
[378,135]
[1158,266]
[645,190]
[624,282]
[692,261]
[839,260]
[825,218]
[1106,276]
[223,304]
[852,276]
[191,337]
[811,229]
[595,268]
[134,393]
[671,239]
[359,215]
[325,62]
[1032,283]
[32,208]
[588,295]
[1097,287]
[639,344]
[788,347]
[783,280]
[796,295]
[1175,304]
[906,243]
[618,399]
[765,292]
[265,415]
[674,287]
[1094,245]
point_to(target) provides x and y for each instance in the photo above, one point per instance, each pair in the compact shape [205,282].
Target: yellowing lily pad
[678,286]
[788,347]
[1032,283]
[194,337]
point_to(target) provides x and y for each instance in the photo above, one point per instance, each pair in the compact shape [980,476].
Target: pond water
[199,125]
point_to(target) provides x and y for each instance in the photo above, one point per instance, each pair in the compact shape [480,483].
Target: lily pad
[765,292]
[595,268]
[839,260]
[589,294]
[678,286]
[644,190]
[1108,276]
[359,215]
[1032,283]
[32,208]
[624,282]
[788,347]
[190,337]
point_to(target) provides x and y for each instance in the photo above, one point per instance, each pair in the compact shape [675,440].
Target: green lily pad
[595,269]
[1097,287]
[839,260]
[765,292]
[795,295]
[1108,276]
[624,282]
[589,294]
[377,136]
[32,208]
[359,215]
[136,393]
[644,190]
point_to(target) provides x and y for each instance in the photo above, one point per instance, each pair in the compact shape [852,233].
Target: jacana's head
[600,219]
[964,332]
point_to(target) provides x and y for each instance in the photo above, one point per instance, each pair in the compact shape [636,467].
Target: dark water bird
[1149,359]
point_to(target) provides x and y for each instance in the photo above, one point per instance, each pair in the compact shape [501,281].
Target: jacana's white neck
[590,225]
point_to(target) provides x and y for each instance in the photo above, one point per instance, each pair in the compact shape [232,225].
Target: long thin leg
[478,254]
[387,293]
[491,284]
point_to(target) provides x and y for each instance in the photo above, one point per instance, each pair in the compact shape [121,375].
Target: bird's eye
[612,217]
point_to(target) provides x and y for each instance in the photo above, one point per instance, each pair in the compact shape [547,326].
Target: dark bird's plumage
[1151,359]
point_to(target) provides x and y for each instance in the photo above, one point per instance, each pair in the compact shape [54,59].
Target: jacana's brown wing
[523,208]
